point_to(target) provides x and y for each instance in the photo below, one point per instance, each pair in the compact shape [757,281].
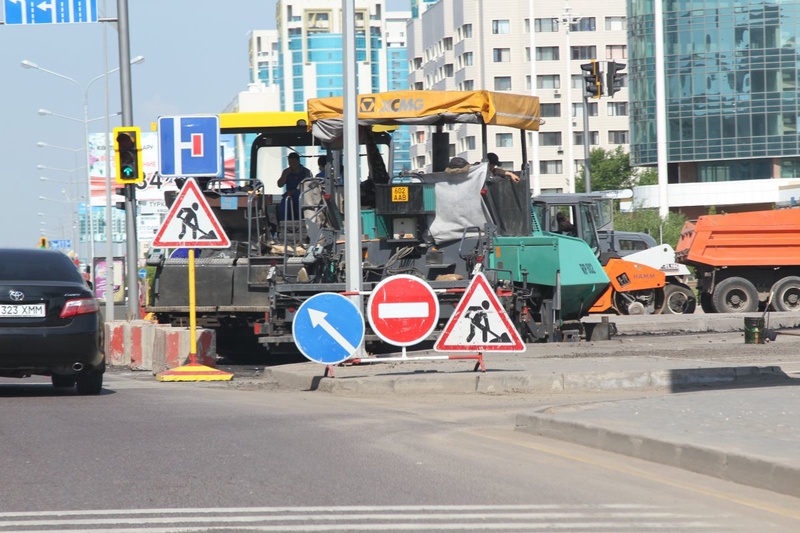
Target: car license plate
[399,194]
[22,311]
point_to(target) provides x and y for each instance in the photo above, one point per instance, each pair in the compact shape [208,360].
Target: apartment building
[528,48]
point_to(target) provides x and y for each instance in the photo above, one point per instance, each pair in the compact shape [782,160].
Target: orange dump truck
[744,260]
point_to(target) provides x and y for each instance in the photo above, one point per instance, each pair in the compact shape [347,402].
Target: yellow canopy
[427,107]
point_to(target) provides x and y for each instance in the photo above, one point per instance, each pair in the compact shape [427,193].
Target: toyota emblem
[17,296]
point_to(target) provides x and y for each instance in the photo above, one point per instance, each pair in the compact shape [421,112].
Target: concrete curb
[746,469]
[515,382]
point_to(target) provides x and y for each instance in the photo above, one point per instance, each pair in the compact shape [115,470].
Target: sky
[196,61]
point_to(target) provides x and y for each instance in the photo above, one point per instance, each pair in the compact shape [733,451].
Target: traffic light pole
[131,241]
[587,174]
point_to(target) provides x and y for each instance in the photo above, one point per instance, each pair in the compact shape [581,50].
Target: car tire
[60,381]
[786,294]
[735,295]
[90,384]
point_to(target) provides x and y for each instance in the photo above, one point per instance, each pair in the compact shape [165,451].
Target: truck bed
[757,238]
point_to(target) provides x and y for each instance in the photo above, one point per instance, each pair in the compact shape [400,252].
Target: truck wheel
[706,304]
[735,295]
[678,300]
[786,294]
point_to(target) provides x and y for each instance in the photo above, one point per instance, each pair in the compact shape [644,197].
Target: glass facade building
[731,75]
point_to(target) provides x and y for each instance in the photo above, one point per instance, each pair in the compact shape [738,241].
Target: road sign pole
[192,312]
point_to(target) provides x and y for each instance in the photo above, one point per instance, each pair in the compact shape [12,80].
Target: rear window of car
[34,265]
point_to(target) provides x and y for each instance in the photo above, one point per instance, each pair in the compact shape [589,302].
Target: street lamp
[86,120]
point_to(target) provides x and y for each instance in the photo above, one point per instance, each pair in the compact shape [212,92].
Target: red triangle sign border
[443,343]
[181,202]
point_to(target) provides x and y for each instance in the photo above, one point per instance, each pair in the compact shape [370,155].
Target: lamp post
[85,121]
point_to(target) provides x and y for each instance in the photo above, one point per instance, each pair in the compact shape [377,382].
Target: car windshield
[36,265]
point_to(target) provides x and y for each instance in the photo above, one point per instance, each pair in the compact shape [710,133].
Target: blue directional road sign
[328,328]
[189,146]
[50,11]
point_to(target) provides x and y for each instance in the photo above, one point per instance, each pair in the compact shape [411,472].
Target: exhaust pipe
[77,367]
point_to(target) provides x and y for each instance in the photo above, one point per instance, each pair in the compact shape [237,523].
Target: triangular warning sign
[190,222]
[479,323]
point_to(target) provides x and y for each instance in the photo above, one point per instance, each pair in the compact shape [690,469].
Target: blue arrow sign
[189,146]
[50,11]
[328,328]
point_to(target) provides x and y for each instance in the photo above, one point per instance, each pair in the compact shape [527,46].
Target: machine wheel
[735,295]
[90,384]
[61,381]
[706,304]
[642,302]
[786,294]
[678,300]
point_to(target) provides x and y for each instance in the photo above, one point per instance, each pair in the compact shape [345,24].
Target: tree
[610,170]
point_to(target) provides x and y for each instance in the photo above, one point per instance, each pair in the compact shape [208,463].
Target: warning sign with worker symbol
[479,323]
[190,222]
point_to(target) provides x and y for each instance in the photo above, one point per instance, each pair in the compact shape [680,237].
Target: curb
[517,383]
[740,468]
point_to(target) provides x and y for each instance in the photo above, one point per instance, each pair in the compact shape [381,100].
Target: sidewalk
[732,410]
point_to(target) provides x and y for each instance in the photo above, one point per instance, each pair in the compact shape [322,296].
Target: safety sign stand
[479,323]
[192,224]
[403,310]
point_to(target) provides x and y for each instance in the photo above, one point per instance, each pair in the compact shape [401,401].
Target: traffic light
[593,78]
[42,242]
[614,78]
[128,155]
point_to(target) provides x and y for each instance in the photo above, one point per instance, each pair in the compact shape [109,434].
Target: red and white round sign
[403,310]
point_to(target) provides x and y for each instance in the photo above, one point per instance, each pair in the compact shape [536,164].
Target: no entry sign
[403,310]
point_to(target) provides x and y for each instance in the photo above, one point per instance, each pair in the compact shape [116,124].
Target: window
[420,161]
[504,140]
[419,136]
[616,23]
[548,81]
[467,31]
[583,52]
[418,86]
[545,25]
[618,137]
[502,83]
[448,70]
[527,25]
[501,26]
[469,142]
[451,150]
[469,85]
[584,24]
[447,42]
[551,167]
[528,54]
[578,82]
[550,138]
[616,51]
[594,138]
[577,109]
[467,59]
[547,53]
[618,109]
[528,83]
[550,110]
[501,55]
[417,62]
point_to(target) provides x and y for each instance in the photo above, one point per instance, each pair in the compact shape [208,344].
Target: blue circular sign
[328,328]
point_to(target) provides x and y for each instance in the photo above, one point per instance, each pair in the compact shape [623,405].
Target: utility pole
[567,19]
[132,243]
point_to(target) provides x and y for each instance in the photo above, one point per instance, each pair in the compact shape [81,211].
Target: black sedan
[50,322]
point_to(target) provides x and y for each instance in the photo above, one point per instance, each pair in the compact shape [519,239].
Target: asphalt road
[148,456]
